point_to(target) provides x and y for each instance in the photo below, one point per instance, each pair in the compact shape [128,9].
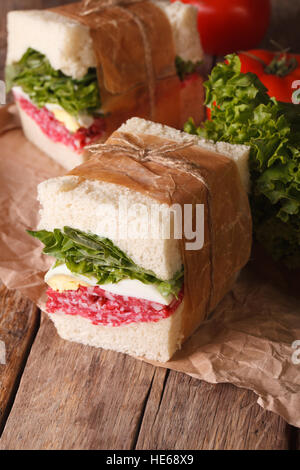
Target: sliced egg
[72,123]
[69,121]
[62,279]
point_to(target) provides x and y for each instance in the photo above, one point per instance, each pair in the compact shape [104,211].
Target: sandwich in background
[136,291]
[77,76]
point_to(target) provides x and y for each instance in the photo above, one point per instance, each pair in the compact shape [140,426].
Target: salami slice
[57,132]
[104,308]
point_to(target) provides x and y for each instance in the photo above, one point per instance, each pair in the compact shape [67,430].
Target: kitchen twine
[132,146]
[101,5]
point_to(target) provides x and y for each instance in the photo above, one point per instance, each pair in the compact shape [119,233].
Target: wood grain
[77,397]
[188,414]
[19,320]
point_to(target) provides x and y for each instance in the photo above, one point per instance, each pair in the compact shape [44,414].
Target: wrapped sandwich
[79,71]
[122,283]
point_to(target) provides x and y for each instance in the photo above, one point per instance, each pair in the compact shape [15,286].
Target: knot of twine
[132,146]
[101,5]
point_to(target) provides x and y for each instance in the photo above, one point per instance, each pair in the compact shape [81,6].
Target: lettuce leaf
[185,67]
[243,113]
[45,85]
[90,255]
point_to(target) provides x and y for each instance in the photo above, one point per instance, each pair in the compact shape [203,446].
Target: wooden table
[96,399]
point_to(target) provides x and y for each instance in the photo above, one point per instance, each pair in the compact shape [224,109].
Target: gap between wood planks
[185,413]
[19,323]
[165,373]
[122,403]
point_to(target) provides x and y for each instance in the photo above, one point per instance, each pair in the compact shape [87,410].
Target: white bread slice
[88,205]
[157,341]
[184,22]
[68,45]
[238,153]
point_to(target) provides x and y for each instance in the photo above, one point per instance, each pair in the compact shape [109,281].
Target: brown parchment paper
[118,44]
[247,341]
[133,69]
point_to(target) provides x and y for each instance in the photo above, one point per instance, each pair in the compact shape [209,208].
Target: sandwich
[134,290]
[77,73]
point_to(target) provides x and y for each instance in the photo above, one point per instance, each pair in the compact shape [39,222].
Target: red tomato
[276,70]
[231,25]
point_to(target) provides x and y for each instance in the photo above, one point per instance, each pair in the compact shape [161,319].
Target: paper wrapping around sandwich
[122,61]
[211,271]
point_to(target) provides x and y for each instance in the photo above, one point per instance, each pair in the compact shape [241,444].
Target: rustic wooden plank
[77,397]
[185,413]
[295,439]
[19,320]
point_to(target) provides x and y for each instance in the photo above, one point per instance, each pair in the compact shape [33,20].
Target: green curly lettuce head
[243,113]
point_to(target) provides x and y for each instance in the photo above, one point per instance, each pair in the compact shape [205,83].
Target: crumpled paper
[249,339]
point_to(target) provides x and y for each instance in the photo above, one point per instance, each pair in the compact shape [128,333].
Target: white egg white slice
[61,278]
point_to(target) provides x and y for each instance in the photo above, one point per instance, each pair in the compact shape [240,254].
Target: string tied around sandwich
[97,6]
[134,147]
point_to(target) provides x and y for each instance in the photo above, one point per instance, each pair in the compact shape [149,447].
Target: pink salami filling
[103,308]
[56,130]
